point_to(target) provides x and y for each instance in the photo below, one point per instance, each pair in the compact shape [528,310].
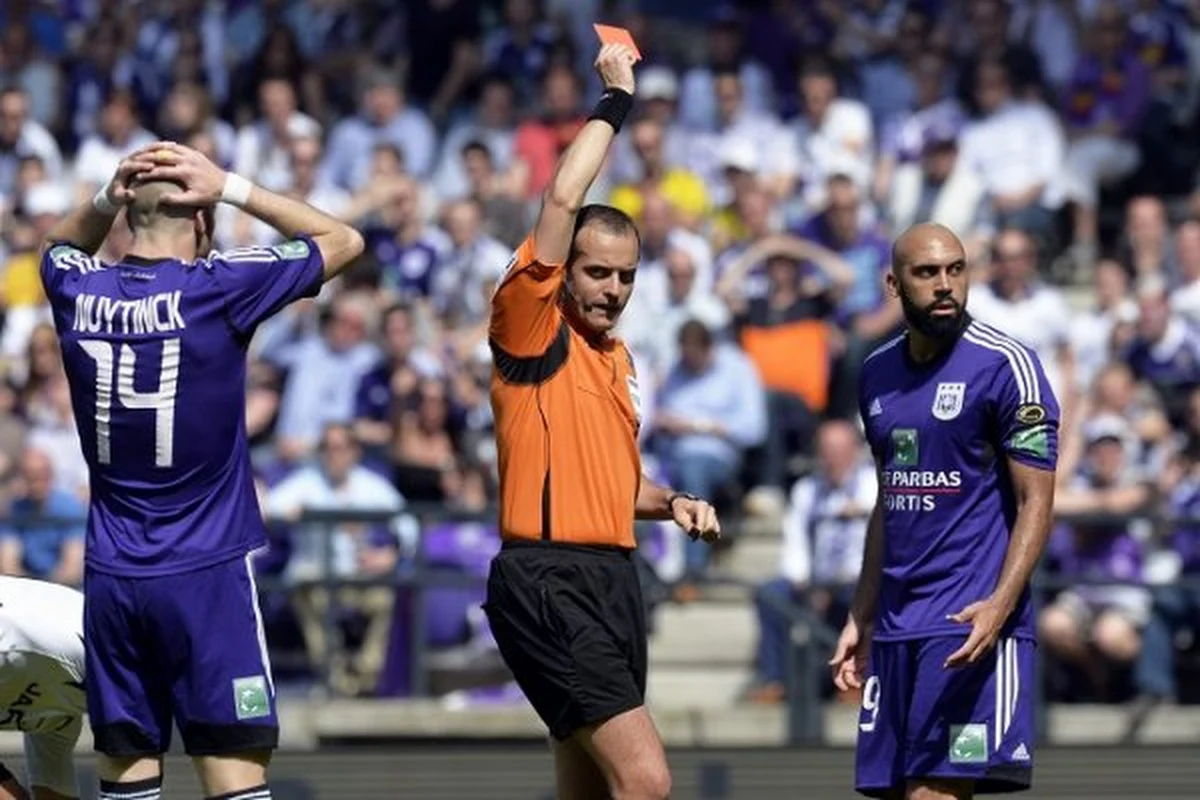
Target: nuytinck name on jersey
[157,313]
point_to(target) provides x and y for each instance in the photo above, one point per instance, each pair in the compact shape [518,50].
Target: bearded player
[963,427]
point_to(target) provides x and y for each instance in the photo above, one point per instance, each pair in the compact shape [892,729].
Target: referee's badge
[635,396]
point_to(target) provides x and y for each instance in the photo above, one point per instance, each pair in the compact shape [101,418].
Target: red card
[610,34]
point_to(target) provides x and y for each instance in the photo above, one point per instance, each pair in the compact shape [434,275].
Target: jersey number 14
[161,402]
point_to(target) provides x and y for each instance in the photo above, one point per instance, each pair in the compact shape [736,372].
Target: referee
[563,598]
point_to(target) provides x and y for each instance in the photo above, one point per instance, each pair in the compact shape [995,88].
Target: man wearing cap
[939,188]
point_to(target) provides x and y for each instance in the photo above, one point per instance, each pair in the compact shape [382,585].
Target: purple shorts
[187,648]
[921,720]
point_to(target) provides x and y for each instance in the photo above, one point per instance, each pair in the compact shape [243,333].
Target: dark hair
[476,146]
[609,219]
[818,66]
[696,328]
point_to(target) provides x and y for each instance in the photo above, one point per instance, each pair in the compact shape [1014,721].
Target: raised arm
[525,320]
[206,184]
[581,162]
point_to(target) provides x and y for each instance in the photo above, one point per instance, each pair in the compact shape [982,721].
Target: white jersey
[41,656]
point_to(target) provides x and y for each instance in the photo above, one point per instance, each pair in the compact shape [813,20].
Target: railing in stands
[811,640]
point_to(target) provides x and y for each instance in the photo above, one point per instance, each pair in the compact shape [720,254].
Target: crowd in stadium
[776,148]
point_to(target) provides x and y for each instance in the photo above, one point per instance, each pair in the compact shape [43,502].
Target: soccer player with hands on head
[154,348]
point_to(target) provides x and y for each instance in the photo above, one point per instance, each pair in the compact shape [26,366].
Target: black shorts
[570,624]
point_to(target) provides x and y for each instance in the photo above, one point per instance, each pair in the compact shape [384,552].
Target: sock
[148,789]
[260,792]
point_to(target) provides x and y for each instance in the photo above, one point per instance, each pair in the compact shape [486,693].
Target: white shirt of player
[41,656]
[1040,319]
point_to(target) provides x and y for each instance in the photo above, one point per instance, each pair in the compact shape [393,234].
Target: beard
[924,320]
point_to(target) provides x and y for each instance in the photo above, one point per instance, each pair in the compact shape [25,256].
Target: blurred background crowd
[775,148]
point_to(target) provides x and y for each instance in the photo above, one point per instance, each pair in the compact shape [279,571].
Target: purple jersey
[155,354]
[940,433]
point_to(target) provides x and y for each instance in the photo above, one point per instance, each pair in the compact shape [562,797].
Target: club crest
[948,401]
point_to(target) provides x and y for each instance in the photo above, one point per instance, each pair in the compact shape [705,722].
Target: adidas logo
[1021,753]
[876,408]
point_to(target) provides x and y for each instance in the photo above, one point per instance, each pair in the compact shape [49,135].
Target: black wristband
[6,774]
[613,107]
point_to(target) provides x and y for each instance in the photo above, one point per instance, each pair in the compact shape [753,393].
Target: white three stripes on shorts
[1008,686]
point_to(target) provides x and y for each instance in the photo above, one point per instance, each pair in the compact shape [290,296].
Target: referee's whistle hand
[698,519]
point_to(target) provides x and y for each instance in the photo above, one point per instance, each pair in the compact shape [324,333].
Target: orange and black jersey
[567,416]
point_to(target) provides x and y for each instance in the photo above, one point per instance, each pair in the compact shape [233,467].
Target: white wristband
[236,190]
[101,203]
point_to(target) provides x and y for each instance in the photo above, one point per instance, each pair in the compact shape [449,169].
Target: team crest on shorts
[948,401]
[251,698]
[968,744]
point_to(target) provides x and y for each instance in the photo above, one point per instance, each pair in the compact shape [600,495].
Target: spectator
[1175,607]
[741,130]
[493,128]
[787,336]
[119,134]
[1037,315]
[1017,149]
[37,76]
[824,530]
[303,183]
[834,136]
[1164,349]
[424,448]
[541,140]
[1146,245]
[1092,332]
[679,187]
[1104,105]
[384,119]
[22,137]
[263,149]
[710,410]
[392,381]
[43,536]
[1185,298]
[907,136]
[323,371]
[407,249]
[941,188]
[521,48]
[500,197]
[657,99]
[668,298]
[1106,618]
[468,272]
[339,482]
[700,96]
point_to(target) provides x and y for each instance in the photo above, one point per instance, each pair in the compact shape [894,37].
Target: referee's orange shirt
[566,415]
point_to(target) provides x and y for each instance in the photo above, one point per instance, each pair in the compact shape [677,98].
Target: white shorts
[50,759]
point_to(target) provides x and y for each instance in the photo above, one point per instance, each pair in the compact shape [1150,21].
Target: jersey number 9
[161,402]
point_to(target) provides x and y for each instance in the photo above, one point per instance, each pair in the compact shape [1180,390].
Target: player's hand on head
[203,181]
[986,618]
[119,189]
[614,64]
[697,517]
